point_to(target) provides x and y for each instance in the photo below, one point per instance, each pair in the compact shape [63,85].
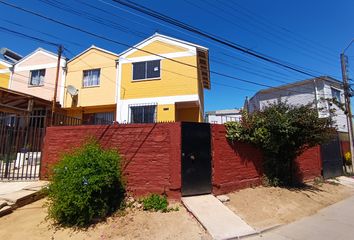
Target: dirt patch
[264,207]
[29,222]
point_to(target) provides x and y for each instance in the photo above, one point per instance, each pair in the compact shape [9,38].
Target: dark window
[91,78]
[143,114]
[336,94]
[98,118]
[37,77]
[146,70]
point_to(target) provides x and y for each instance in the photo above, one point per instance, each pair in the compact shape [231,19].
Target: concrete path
[219,221]
[17,194]
[334,222]
[346,181]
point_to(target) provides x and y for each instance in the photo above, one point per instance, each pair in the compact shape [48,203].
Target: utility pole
[344,61]
[60,50]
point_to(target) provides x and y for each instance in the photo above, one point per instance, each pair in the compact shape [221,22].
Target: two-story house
[159,79]
[162,79]
[35,74]
[320,91]
[93,73]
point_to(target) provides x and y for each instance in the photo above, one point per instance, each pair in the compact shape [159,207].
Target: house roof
[162,36]
[298,83]
[93,47]
[224,112]
[38,50]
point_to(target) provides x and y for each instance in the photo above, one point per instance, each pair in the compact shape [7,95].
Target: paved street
[334,222]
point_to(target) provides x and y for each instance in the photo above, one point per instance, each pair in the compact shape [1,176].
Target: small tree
[283,132]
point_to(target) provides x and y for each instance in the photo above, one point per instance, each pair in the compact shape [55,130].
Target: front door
[196,159]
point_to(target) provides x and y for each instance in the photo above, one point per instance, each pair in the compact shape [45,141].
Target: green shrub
[155,202]
[282,132]
[86,186]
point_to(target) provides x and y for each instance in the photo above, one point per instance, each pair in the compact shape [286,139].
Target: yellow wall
[188,114]
[176,79]
[157,47]
[4,80]
[105,93]
[4,77]
[166,113]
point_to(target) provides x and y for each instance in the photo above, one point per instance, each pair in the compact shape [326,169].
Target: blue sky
[308,34]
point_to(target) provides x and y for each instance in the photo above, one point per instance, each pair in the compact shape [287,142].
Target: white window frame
[142,105]
[91,70]
[146,78]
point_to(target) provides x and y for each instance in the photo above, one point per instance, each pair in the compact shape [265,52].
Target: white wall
[302,95]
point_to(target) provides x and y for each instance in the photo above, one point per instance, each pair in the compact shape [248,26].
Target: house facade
[223,116]
[321,91]
[94,74]
[162,79]
[35,74]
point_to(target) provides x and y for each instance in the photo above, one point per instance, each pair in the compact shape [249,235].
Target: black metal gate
[196,159]
[332,160]
[21,139]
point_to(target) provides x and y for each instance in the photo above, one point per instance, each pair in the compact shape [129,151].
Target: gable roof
[298,83]
[158,35]
[48,53]
[90,48]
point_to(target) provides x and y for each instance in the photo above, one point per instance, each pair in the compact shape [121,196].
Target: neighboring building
[7,59]
[223,116]
[93,74]
[162,79]
[316,90]
[35,75]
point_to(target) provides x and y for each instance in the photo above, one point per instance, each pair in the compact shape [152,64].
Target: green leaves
[283,132]
[86,185]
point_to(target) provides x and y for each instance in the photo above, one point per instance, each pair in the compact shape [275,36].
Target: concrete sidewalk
[219,220]
[333,222]
[17,194]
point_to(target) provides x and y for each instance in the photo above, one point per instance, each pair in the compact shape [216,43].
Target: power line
[257,33]
[177,30]
[213,37]
[133,47]
[10,31]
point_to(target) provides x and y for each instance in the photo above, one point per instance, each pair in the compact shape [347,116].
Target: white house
[223,116]
[316,90]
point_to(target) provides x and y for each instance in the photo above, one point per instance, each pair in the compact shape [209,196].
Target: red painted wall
[151,153]
[152,156]
[235,165]
[239,165]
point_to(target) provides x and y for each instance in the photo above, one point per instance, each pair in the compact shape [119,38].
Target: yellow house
[91,90]
[5,73]
[162,79]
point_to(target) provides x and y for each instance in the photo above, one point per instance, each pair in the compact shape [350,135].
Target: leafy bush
[86,186]
[155,202]
[282,132]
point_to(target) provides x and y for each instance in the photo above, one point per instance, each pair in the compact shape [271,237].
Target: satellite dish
[73,91]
